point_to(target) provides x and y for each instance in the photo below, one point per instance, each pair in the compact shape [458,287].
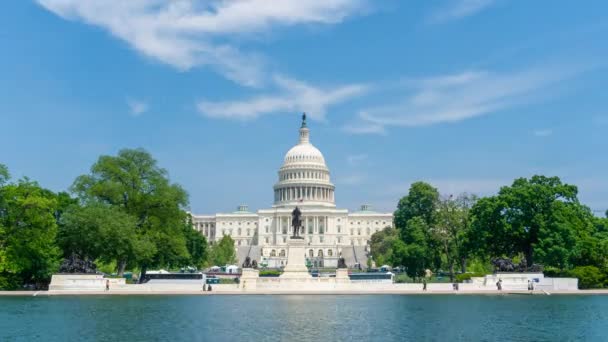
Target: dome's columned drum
[304,177]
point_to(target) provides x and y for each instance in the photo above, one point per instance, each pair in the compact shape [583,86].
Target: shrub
[554,272]
[462,277]
[270,273]
[589,277]
[9,282]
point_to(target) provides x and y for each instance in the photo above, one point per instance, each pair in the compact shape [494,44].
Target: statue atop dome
[303,120]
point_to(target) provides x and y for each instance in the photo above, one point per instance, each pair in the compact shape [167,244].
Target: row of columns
[318,222]
[304,193]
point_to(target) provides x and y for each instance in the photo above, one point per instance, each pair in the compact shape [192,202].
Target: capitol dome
[304,176]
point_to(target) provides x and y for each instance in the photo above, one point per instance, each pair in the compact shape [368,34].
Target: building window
[352,232]
[266,240]
[282,253]
[339,230]
[320,253]
[266,229]
[339,239]
[239,231]
[320,239]
[311,253]
[368,231]
[359,231]
[284,240]
[273,253]
[248,231]
[330,252]
[239,242]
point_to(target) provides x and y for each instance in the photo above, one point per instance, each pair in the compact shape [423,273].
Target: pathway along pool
[305,318]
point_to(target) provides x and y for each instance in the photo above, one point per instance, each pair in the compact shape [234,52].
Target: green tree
[133,182]
[413,250]
[223,252]
[4,174]
[381,245]
[99,231]
[28,253]
[197,246]
[539,217]
[450,230]
[421,201]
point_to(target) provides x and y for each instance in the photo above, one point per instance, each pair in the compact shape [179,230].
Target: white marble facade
[304,181]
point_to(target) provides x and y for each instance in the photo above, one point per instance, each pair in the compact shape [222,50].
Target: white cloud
[543,132]
[356,159]
[291,96]
[188,33]
[360,127]
[600,120]
[137,107]
[355,179]
[453,186]
[458,9]
[457,97]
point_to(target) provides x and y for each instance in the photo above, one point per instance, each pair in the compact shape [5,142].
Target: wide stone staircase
[254,253]
[353,255]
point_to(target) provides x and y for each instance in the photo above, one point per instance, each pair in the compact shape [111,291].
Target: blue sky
[465,94]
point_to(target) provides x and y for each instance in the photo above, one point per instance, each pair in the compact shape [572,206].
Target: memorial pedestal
[342,275]
[296,260]
[249,279]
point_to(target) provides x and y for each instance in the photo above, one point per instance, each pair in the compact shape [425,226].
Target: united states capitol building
[304,181]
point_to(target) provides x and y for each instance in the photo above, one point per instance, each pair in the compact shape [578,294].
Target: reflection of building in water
[304,181]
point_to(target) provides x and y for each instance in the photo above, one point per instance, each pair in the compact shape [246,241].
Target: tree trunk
[451,271]
[122,264]
[142,275]
[463,265]
[529,254]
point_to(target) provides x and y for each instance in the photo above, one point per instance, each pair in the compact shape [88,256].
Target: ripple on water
[304,318]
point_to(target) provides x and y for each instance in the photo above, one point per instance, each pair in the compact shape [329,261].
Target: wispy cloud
[361,127]
[457,9]
[543,132]
[356,159]
[188,33]
[291,95]
[600,120]
[137,107]
[456,97]
[354,179]
[453,186]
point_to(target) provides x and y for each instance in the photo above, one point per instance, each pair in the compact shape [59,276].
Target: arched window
[282,253]
[320,253]
[330,252]
[239,242]
[273,253]
[311,253]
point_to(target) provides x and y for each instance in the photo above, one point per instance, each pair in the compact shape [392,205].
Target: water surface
[305,318]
